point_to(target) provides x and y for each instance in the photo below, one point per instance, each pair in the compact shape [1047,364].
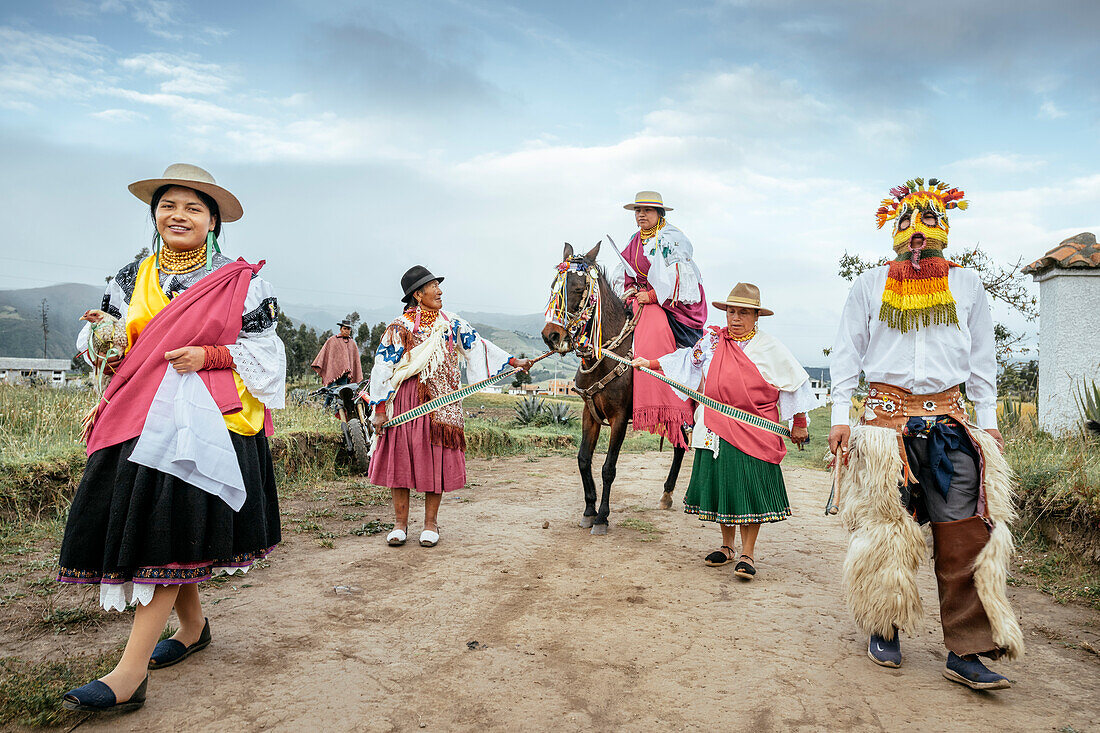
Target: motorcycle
[353,411]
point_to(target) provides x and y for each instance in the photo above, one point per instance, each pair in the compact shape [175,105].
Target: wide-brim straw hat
[650,199]
[415,278]
[191,176]
[743,295]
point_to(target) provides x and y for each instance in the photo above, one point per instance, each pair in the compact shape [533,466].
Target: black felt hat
[417,277]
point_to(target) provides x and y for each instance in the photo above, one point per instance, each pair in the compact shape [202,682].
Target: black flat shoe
[169,652]
[744,569]
[718,558]
[97,697]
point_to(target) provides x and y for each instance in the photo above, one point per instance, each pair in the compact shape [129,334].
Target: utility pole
[45,325]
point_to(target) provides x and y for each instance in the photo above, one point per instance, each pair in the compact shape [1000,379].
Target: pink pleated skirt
[657,409]
[405,457]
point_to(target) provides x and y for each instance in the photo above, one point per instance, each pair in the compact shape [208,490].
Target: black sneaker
[885,652]
[972,673]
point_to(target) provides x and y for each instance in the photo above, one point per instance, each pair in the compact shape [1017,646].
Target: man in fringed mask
[919,328]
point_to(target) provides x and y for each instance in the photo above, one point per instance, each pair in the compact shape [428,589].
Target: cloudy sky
[476,137]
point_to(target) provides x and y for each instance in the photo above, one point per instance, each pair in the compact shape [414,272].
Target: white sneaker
[429,538]
[396,538]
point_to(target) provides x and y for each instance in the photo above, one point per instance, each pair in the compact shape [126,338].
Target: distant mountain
[21,319]
[21,325]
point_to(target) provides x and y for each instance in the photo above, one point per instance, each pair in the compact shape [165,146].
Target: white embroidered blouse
[258,354]
[483,358]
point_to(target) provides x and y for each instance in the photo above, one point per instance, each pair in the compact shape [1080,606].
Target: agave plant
[529,409]
[560,413]
[1087,397]
[1010,414]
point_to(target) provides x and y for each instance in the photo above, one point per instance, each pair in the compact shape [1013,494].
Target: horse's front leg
[673,473]
[614,444]
[590,433]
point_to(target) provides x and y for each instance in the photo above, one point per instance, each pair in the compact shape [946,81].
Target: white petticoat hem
[117,596]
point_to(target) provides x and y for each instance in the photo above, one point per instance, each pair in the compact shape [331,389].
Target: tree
[45,326]
[78,364]
[369,337]
[1005,284]
[302,345]
[521,377]
[1019,380]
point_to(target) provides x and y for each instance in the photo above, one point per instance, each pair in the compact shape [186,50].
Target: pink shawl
[206,314]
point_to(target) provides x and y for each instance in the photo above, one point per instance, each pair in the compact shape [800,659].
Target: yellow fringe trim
[931,285]
[904,320]
[916,301]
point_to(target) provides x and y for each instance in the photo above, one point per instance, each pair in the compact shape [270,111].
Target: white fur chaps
[886,546]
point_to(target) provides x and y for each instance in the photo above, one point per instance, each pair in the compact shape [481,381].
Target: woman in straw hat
[418,360]
[179,484]
[736,479]
[658,265]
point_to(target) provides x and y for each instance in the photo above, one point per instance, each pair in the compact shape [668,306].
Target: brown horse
[606,386]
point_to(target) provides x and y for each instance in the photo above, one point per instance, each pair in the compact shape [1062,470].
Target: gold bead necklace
[180,263]
[649,233]
[746,337]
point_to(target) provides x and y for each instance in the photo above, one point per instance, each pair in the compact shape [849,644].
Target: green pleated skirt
[735,488]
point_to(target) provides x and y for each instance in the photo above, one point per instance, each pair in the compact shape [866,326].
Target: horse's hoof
[586,522]
[599,529]
[666,501]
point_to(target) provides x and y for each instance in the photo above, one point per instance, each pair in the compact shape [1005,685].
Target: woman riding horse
[658,264]
[586,315]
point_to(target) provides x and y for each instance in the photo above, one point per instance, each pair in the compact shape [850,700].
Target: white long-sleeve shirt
[926,360]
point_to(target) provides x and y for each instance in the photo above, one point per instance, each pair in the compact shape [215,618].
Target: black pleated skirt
[133,523]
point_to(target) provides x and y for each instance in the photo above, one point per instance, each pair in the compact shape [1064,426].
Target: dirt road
[624,632]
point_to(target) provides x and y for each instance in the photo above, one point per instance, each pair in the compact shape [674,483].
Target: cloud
[119,115]
[182,74]
[1050,111]
[37,65]
[371,66]
[161,18]
[998,164]
[740,100]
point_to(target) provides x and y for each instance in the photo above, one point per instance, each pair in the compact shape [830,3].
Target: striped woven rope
[732,412]
[458,394]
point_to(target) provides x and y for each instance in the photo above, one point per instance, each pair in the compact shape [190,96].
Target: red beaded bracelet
[216,357]
[800,420]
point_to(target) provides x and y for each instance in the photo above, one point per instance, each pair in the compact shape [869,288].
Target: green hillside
[21,326]
[518,343]
[21,319]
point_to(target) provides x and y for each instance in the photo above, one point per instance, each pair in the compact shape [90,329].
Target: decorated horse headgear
[916,293]
[576,324]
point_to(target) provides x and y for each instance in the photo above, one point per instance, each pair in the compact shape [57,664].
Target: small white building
[18,370]
[1069,324]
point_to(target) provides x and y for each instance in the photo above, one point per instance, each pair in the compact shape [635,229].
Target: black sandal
[719,558]
[98,697]
[744,569]
[169,651]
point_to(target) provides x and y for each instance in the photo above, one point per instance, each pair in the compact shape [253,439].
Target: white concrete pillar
[1069,328]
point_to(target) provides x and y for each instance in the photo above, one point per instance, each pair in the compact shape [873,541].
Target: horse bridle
[577,324]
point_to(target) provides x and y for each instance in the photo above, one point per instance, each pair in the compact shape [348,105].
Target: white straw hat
[648,199]
[190,176]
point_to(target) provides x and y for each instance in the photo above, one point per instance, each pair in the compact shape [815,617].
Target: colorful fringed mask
[916,291]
